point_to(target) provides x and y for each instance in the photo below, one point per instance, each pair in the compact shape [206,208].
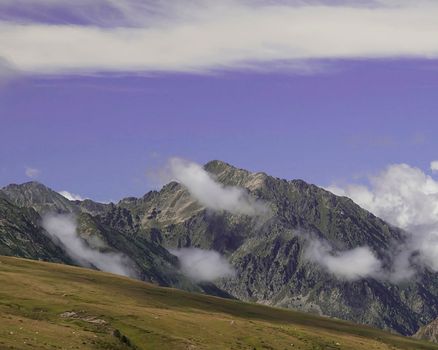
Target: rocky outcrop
[428,332]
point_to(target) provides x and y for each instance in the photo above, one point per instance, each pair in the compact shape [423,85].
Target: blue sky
[326,115]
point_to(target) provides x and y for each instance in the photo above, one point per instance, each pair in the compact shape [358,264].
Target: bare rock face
[428,332]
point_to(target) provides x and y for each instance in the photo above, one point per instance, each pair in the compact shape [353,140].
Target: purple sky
[98,135]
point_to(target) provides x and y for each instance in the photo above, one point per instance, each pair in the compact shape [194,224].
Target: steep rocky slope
[22,235]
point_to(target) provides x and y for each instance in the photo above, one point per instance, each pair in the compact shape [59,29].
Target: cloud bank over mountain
[146,36]
[212,194]
[406,197]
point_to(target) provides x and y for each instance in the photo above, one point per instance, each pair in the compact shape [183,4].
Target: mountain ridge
[269,255]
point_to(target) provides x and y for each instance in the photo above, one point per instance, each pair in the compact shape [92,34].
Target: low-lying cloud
[203,265]
[406,197]
[353,264]
[211,194]
[63,231]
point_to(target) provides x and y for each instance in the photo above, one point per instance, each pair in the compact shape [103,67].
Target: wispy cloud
[203,265]
[63,231]
[71,196]
[211,194]
[352,264]
[32,172]
[148,36]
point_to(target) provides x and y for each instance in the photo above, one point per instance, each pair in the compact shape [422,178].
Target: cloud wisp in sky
[63,231]
[152,36]
[203,265]
[32,173]
[406,197]
[212,194]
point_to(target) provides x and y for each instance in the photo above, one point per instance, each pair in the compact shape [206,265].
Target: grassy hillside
[51,306]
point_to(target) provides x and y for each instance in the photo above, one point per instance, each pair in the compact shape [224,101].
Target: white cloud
[71,196]
[351,264]
[212,194]
[32,172]
[63,230]
[7,72]
[434,165]
[208,35]
[203,265]
[401,194]
[408,198]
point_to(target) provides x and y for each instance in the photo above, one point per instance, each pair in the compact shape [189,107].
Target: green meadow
[52,306]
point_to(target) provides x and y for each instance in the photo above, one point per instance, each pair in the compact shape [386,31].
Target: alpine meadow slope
[70,307]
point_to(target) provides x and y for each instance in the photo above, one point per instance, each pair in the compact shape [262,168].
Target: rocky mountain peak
[232,176]
[217,166]
[38,196]
[35,185]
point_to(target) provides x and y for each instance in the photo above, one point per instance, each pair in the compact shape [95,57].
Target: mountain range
[269,253]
